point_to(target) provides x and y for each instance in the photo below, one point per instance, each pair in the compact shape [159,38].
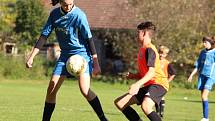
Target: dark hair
[210,39]
[54,2]
[146,25]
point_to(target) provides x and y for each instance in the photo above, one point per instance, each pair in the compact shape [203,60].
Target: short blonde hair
[163,49]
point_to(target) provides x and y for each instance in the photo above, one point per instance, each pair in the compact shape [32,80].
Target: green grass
[23,100]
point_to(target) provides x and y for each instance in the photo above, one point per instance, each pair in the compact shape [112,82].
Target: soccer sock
[153,116]
[95,104]
[205,109]
[157,108]
[48,110]
[162,105]
[131,114]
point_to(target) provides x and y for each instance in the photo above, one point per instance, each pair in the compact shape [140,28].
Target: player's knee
[85,93]
[118,104]
[146,108]
[51,87]
[204,97]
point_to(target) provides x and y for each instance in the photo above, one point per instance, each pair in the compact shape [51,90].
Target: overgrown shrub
[13,67]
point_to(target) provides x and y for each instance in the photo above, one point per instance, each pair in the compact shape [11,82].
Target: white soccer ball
[76,65]
[185,98]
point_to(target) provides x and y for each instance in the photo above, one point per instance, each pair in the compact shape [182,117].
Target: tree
[181,24]
[8,15]
[29,21]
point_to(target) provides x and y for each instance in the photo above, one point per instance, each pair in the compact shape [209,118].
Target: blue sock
[205,108]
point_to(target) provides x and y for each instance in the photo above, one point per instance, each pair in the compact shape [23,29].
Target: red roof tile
[113,14]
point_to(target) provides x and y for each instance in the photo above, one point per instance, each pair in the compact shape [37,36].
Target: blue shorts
[205,82]
[60,67]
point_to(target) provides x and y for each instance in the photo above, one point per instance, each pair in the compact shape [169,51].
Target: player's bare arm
[134,88]
[192,74]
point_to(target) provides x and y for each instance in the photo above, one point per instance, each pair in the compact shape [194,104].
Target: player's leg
[123,104]
[84,84]
[157,108]
[147,107]
[205,87]
[56,81]
[204,96]
[162,105]
[153,96]
[54,85]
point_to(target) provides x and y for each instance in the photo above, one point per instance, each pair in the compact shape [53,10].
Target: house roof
[112,14]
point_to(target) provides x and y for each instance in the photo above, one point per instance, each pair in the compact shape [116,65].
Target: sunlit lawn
[23,100]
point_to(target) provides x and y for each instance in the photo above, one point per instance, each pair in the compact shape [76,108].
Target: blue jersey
[206,63]
[72,30]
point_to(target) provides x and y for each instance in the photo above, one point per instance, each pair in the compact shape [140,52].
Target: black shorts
[155,92]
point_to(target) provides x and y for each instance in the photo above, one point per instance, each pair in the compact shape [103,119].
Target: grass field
[23,100]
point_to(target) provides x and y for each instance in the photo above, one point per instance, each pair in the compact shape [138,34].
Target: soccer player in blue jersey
[205,65]
[74,36]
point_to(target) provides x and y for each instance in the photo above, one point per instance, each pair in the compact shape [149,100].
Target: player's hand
[190,79]
[129,75]
[134,88]
[29,62]
[96,67]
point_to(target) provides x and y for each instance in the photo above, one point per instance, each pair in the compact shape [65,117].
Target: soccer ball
[76,65]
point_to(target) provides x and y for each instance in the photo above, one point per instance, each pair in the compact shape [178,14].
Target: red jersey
[149,57]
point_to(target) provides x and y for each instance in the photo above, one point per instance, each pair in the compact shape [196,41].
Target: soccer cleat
[204,119]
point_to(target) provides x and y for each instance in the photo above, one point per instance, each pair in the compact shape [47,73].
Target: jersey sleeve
[84,27]
[198,61]
[47,29]
[150,57]
[171,70]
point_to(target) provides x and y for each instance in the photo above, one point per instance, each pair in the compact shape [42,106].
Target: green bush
[13,67]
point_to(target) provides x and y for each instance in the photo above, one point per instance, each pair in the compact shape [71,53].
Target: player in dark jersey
[74,36]
[151,83]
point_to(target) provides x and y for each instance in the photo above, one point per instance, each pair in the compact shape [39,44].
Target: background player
[169,72]
[205,65]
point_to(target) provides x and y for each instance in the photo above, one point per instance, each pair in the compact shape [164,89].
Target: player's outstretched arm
[134,88]
[192,74]
[40,42]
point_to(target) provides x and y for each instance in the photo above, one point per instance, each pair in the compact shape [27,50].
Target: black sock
[48,110]
[162,105]
[95,103]
[157,107]
[131,114]
[153,116]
